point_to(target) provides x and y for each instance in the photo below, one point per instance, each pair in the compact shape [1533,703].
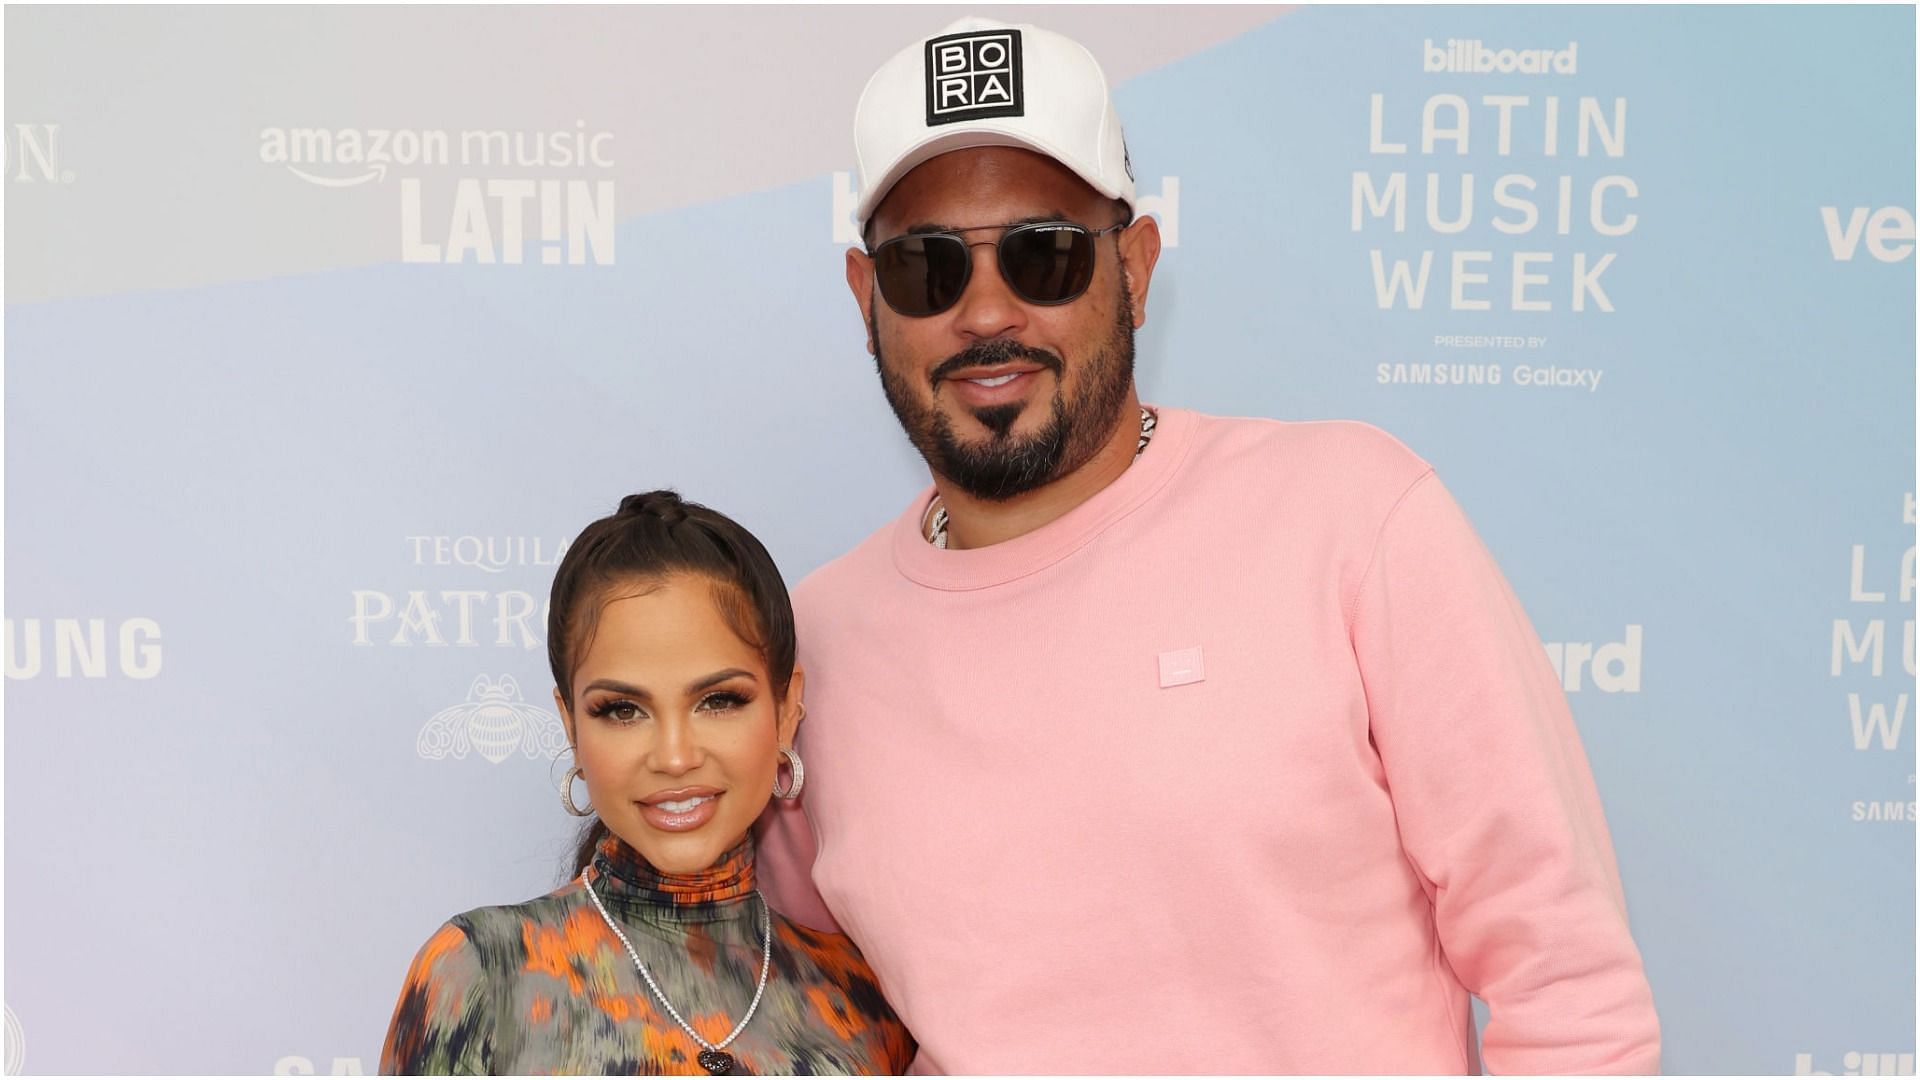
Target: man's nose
[988,308]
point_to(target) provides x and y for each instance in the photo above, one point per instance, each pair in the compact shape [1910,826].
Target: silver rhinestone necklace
[936,527]
[713,1056]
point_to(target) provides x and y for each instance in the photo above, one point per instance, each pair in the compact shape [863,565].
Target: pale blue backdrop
[241,427]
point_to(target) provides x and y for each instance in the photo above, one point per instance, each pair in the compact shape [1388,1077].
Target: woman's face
[674,723]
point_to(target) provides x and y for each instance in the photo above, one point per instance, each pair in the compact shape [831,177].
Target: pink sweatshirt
[1250,763]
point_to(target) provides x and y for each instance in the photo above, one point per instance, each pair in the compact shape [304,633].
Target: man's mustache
[987,353]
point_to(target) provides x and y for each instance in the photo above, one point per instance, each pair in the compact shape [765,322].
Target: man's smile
[981,388]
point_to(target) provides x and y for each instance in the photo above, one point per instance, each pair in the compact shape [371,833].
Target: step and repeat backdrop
[328,328]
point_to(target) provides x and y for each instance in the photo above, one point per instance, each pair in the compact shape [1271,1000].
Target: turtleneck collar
[621,874]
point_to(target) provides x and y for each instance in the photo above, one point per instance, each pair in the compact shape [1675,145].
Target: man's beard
[1005,464]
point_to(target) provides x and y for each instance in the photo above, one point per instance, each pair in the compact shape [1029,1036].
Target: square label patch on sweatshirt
[1182,666]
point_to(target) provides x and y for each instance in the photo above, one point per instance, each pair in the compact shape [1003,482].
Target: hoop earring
[566,794]
[799,775]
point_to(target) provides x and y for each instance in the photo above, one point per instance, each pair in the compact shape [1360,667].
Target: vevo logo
[1883,229]
[1472,57]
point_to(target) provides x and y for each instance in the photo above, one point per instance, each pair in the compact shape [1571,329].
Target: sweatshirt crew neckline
[996,564]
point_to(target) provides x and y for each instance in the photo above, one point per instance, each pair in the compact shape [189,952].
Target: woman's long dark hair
[651,536]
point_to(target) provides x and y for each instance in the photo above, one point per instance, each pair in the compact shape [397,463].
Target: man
[1152,741]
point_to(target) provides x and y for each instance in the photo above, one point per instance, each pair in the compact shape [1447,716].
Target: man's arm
[1496,806]
[783,864]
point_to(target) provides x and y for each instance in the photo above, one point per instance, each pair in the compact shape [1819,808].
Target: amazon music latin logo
[494,721]
[471,196]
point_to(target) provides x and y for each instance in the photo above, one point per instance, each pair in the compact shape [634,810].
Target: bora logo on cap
[973,76]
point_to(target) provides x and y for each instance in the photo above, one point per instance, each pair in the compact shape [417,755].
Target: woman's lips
[680,811]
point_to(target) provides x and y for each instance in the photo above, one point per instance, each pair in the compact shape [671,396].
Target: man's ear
[860,280]
[1139,250]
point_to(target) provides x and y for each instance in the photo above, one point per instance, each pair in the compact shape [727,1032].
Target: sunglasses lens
[1048,264]
[921,275]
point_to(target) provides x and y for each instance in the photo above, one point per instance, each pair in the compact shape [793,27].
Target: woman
[672,646]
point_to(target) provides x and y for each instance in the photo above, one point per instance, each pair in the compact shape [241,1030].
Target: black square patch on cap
[973,76]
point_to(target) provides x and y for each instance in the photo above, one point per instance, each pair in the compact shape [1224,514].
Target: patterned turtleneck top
[546,987]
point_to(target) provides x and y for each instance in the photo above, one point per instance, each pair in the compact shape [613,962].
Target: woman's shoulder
[834,955]
[845,991]
[444,1020]
[809,938]
[511,926]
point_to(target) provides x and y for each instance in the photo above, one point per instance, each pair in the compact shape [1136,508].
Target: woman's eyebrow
[619,687]
[716,678]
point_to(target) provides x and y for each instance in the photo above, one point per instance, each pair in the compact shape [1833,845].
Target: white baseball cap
[982,82]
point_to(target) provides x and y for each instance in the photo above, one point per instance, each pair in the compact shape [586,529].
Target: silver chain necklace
[713,1056]
[936,527]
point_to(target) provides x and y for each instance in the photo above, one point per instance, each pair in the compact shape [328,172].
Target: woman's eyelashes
[625,711]
[618,710]
[723,701]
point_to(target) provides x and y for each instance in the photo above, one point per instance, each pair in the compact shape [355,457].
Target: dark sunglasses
[1046,262]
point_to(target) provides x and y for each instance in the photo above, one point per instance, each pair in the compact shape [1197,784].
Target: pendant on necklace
[717,1062]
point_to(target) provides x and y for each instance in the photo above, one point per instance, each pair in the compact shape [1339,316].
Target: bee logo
[494,720]
[16,1043]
